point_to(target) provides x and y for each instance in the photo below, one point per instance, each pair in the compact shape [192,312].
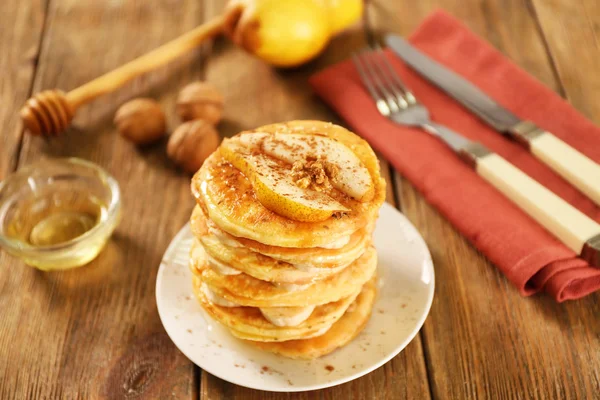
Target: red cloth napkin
[530,257]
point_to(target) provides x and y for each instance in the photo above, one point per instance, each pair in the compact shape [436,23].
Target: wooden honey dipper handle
[50,112]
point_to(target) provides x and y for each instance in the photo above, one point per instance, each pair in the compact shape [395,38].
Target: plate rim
[401,346]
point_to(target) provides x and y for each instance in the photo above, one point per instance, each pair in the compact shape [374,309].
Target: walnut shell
[141,121]
[200,100]
[191,143]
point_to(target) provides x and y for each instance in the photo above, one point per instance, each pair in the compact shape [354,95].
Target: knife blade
[573,166]
[455,85]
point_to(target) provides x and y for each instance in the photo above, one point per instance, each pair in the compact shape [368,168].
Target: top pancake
[227,197]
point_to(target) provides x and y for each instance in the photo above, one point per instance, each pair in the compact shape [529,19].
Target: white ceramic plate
[406,281]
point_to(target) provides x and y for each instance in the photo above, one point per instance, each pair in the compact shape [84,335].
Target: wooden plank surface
[482,339]
[95,332]
[572,33]
[19,50]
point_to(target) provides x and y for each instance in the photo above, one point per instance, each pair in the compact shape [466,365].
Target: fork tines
[382,82]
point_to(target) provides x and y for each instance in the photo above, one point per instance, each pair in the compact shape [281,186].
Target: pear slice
[274,187]
[352,178]
[253,139]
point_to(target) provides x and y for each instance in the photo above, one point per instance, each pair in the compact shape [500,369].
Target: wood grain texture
[509,25]
[482,339]
[19,50]
[572,33]
[95,332]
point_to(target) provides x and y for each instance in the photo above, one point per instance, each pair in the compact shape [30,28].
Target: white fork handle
[576,230]
[579,170]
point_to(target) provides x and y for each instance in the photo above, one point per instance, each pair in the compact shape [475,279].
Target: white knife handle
[579,170]
[576,230]
[569,163]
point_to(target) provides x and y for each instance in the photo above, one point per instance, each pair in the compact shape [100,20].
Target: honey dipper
[249,23]
[50,112]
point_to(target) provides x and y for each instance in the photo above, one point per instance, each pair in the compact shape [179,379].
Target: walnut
[200,100]
[312,174]
[297,166]
[331,170]
[141,121]
[317,173]
[192,143]
[303,183]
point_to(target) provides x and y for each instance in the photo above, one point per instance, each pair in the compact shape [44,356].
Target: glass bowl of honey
[58,213]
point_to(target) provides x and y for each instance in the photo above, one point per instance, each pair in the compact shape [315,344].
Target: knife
[579,232]
[576,168]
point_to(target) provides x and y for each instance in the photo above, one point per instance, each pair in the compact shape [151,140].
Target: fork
[396,102]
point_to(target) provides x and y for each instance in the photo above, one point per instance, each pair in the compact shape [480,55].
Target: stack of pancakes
[275,278]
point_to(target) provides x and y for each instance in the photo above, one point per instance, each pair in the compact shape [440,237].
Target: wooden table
[95,332]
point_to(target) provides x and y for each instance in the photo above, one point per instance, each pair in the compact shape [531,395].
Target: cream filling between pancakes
[311,268]
[229,241]
[215,298]
[223,237]
[278,316]
[287,316]
[219,267]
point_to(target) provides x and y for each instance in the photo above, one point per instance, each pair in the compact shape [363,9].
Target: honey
[58,214]
[55,219]
[61,227]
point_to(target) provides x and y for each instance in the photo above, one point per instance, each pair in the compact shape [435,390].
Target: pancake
[341,333]
[272,269]
[288,285]
[317,256]
[249,322]
[227,197]
[256,265]
[245,290]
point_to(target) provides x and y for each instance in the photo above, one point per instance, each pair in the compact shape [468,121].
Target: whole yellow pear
[342,13]
[284,33]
